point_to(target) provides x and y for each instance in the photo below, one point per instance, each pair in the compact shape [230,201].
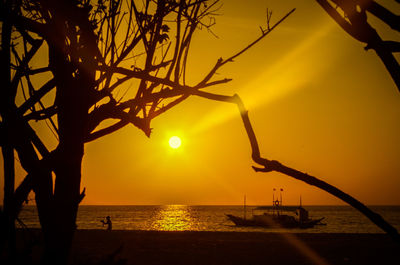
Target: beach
[143,235]
[187,247]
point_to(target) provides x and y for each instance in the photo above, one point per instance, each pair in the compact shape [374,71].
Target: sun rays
[292,72]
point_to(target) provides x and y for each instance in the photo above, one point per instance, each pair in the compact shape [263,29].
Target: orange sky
[318,103]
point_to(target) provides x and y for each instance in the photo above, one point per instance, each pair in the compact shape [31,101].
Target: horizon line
[34,204]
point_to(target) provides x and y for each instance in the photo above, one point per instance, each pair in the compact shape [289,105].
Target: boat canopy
[278,207]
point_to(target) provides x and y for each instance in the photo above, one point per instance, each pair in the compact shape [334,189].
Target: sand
[208,248]
[151,247]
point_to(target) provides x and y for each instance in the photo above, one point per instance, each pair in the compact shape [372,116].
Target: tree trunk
[73,82]
[57,211]
[65,207]
[9,218]
[7,96]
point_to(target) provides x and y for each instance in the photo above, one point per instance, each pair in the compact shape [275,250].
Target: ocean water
[338,219]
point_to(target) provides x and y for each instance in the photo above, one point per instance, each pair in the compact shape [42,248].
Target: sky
[318,103]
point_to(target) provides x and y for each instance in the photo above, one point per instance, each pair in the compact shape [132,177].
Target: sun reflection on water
[173,218]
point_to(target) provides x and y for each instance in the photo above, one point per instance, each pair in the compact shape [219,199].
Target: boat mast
[273,196]
[244,207]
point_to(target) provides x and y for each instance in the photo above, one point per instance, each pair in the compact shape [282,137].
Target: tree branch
[100,133]
[359,29]
[41,114]
[272,165]
[30,25]
[390,46]
[41,92]
[221,61]
[351,29]
[384,14]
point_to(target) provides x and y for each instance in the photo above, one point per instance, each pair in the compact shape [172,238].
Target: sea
[337,219]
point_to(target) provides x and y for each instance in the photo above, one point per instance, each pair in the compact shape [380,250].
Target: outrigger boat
[277,215]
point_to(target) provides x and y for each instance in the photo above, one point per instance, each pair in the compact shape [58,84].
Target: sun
[175,142]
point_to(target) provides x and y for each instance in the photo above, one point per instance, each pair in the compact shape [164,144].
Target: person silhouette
[108,223]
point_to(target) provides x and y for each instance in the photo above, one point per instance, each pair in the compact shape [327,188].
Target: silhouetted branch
[114,110]
[383,14]
[22,192]
[269,15]
[31,180]
[82,195]
[41,92]
[390,63]
[169,106]
[273,165]
[38,70]
[100,133]
[43,114]
[221,61]
[28,24]
[392,46]
[150,30]
[265,33]
[356,25]
[24,62]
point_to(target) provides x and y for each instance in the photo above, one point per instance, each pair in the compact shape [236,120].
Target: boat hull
[271,221]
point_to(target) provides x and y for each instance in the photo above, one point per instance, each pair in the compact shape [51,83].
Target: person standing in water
[108,223]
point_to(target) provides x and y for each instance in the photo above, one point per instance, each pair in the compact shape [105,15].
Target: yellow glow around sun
[175,142]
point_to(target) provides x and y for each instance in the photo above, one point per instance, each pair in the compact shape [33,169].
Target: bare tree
[93,51]
[352,16]
[6,100]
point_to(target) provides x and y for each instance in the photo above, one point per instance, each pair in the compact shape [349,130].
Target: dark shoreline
[153,247]
[203,247]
